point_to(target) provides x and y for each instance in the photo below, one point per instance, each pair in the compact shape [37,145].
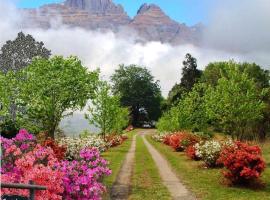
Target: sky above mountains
[184,11]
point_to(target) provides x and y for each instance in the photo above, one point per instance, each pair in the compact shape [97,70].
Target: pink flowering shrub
[83,177]
[15,148]
[37,165]
[23,159]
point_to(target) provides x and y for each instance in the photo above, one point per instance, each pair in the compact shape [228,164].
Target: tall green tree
[192,112]
[105,111]
[15,55]
[235,103]
[214,71]
[10,101]
[190,73]
[175,95]
[261,77]
[18,53]
[189,113]
[169,122]
[139,92]
[55,88]
[190,76]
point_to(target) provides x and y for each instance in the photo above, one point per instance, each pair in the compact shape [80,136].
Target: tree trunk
[135,116]
[52,130]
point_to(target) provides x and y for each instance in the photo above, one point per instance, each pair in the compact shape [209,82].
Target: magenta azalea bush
[83,177]
[23,159]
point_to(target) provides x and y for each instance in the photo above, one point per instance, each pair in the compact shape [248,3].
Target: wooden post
[32,191]
[31,187]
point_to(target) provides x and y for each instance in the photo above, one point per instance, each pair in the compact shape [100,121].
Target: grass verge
[116,157]
[207,183]
[146,181]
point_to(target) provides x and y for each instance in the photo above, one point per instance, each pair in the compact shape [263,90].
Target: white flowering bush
[74,145]
[227,142]
[159,137]
[208,151]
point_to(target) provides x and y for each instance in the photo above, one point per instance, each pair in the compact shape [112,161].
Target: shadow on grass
[256,185]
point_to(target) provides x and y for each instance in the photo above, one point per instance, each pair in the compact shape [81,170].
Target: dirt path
[122,186]
[170,180]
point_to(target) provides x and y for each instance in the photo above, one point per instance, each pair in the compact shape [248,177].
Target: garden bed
[208,183]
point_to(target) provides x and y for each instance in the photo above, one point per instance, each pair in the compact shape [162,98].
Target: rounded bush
[243,163]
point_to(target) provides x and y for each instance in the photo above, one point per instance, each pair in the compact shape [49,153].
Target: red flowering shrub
[58,150]
[166,139]
[191,153]
[243,163]
[188,140]
[179,141]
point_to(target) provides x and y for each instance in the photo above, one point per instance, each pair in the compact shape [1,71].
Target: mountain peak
[95,6]
[148,7]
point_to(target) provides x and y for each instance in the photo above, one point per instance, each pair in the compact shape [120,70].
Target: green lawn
[116,157]
[146,182]
[207,183]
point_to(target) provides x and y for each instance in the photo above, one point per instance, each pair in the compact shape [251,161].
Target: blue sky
[185,11]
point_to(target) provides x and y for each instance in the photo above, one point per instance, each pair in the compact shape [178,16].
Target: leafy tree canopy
[214,71]
[175,95]
[189,113]
[11,104]
[139,92]
[233,98]
[17,54]
[14,56]
[105,111]
[235,103]
[54,88]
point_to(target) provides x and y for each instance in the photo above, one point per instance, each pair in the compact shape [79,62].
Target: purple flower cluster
[23,135]
[82,180]
[23,139]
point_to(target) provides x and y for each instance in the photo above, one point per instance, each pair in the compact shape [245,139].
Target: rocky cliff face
[88,14]
[96,6]
[151,23]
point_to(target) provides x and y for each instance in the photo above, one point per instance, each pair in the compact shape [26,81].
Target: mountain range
[150,22]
